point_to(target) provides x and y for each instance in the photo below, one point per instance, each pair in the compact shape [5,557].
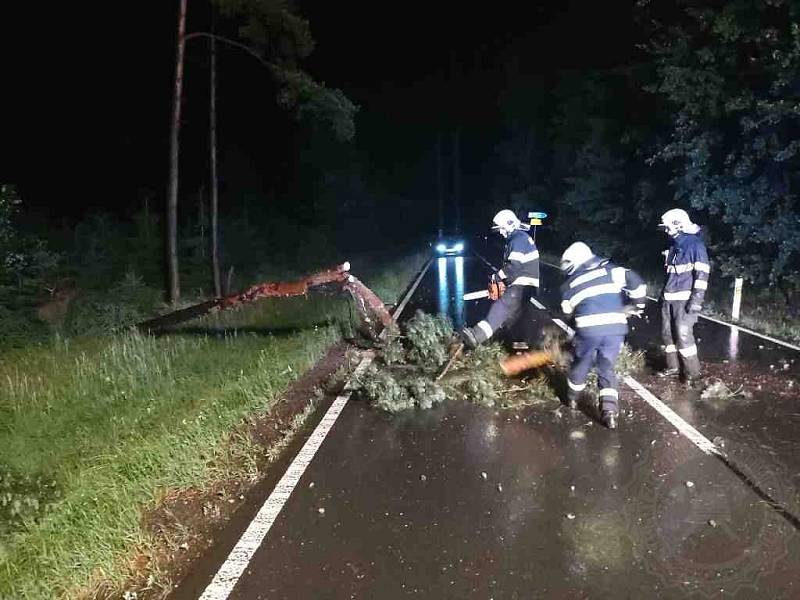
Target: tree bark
[173,279]
[214,197]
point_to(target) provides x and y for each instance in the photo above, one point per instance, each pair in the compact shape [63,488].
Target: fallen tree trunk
[370,307]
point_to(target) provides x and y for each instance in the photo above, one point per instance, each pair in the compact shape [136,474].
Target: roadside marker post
[737,299]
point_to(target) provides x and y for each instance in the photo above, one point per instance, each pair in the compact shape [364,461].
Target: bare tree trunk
[439,183]
[173,280]
[214,197]
[201,218]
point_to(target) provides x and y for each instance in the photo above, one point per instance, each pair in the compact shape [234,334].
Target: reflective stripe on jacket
[596,295]
[687,270]
[520,260]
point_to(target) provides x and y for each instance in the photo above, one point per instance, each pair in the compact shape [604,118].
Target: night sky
[87,94]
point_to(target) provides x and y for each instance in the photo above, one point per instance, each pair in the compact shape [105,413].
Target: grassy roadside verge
[94,431]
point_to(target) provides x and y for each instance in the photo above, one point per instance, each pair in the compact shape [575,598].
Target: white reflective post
[737,298]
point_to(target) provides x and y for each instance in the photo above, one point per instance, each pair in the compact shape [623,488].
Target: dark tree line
[705,116]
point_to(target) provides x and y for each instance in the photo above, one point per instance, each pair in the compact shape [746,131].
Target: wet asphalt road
[463,501]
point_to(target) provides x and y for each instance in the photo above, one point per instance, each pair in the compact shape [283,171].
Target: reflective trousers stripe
[526,281]
[684,295]
[639,292]
[576,387]
[486,328]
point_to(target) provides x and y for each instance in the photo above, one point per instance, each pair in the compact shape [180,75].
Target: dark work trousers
[504,311]
[603,352]
[677,331]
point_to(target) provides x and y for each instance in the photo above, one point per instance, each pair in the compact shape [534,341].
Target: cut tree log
[513,365]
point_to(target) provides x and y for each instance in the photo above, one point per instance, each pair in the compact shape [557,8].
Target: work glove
[632,310]
[693,308]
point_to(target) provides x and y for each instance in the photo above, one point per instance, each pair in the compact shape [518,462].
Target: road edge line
[698,439]
[229,573]
[665,411]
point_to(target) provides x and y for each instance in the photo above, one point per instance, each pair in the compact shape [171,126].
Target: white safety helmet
[574,256]
[675,221]
[505,222]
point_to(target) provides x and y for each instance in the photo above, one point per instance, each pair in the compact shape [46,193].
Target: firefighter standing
[687,271]
[520,274]
[598,295]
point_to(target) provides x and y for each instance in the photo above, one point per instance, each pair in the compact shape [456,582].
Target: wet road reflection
[466,501]
[733,344]
[450,292]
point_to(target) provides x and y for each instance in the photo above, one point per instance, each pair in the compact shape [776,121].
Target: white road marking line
[670,415]
[699,440]
[751,332]
[570,331]
[229,573]
[538,304]
[564,326]
[665,411]
[227,576]
[744,329]
[402,305]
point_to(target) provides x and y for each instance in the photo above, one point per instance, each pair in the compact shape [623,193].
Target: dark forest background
[601,116]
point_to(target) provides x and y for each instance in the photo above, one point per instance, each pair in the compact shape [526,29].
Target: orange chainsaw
[496,287]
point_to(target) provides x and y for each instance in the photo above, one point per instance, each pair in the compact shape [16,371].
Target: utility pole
[457,178]
[439,183]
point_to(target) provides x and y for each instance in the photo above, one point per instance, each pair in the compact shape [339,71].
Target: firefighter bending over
[520,275]
[598,296]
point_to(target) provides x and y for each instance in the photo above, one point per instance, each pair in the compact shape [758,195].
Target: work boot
[696,382]
[667,372]
[609,418]
[468,337]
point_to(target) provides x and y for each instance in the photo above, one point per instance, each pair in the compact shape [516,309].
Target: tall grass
[99,428]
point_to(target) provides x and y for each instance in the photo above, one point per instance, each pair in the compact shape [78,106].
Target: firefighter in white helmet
[687,270]
[598,296]
[520,275]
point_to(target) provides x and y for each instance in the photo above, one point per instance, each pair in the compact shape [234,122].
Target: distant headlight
[441,248]
[459,247]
